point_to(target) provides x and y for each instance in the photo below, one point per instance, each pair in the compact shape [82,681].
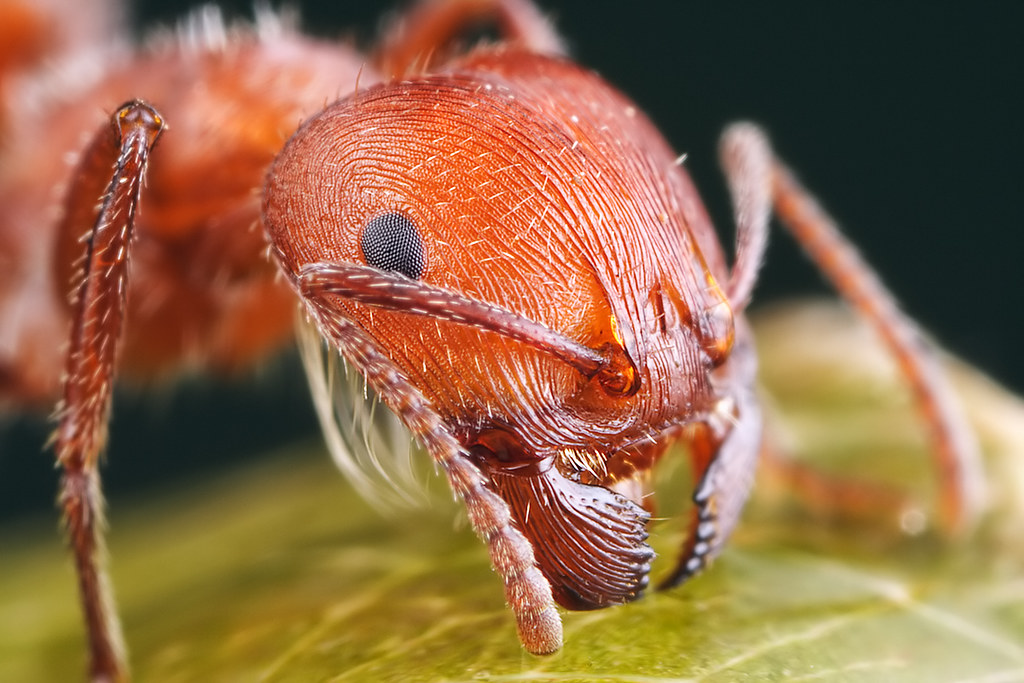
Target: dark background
[904,118]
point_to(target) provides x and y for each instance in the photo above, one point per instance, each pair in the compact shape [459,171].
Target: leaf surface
[281,572]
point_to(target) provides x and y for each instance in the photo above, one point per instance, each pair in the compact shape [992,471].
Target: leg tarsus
[82,503]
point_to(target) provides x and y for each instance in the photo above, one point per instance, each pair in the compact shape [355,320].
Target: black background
[904,118]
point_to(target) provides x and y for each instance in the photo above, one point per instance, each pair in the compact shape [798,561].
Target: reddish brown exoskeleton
[499,242]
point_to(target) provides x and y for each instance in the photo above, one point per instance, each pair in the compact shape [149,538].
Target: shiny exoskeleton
[499,242]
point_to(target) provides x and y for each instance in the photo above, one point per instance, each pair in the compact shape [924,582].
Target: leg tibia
[97,309]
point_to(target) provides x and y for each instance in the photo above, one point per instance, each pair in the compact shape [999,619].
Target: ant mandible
[501,244]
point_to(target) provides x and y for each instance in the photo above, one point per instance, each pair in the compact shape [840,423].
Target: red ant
[497,241]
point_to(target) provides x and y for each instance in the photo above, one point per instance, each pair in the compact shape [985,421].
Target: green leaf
[280,572]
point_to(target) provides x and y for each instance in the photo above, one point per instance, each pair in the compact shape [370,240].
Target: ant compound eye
[391,242]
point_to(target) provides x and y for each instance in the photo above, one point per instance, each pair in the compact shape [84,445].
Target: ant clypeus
[496,240]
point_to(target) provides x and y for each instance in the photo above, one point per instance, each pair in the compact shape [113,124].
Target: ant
[496,240]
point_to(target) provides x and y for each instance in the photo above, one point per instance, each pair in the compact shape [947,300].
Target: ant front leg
[97,313]
[757,177]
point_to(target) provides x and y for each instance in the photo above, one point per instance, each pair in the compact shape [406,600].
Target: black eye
[391,242]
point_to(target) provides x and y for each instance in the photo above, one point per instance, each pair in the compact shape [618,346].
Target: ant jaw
[590,542]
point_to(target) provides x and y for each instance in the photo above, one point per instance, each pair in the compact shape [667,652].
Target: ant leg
[826,496]
[98,305]
[955,450]
[413,42]
[527,591]
[746,159]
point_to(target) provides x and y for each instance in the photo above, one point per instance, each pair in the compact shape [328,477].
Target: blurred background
[904,119]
